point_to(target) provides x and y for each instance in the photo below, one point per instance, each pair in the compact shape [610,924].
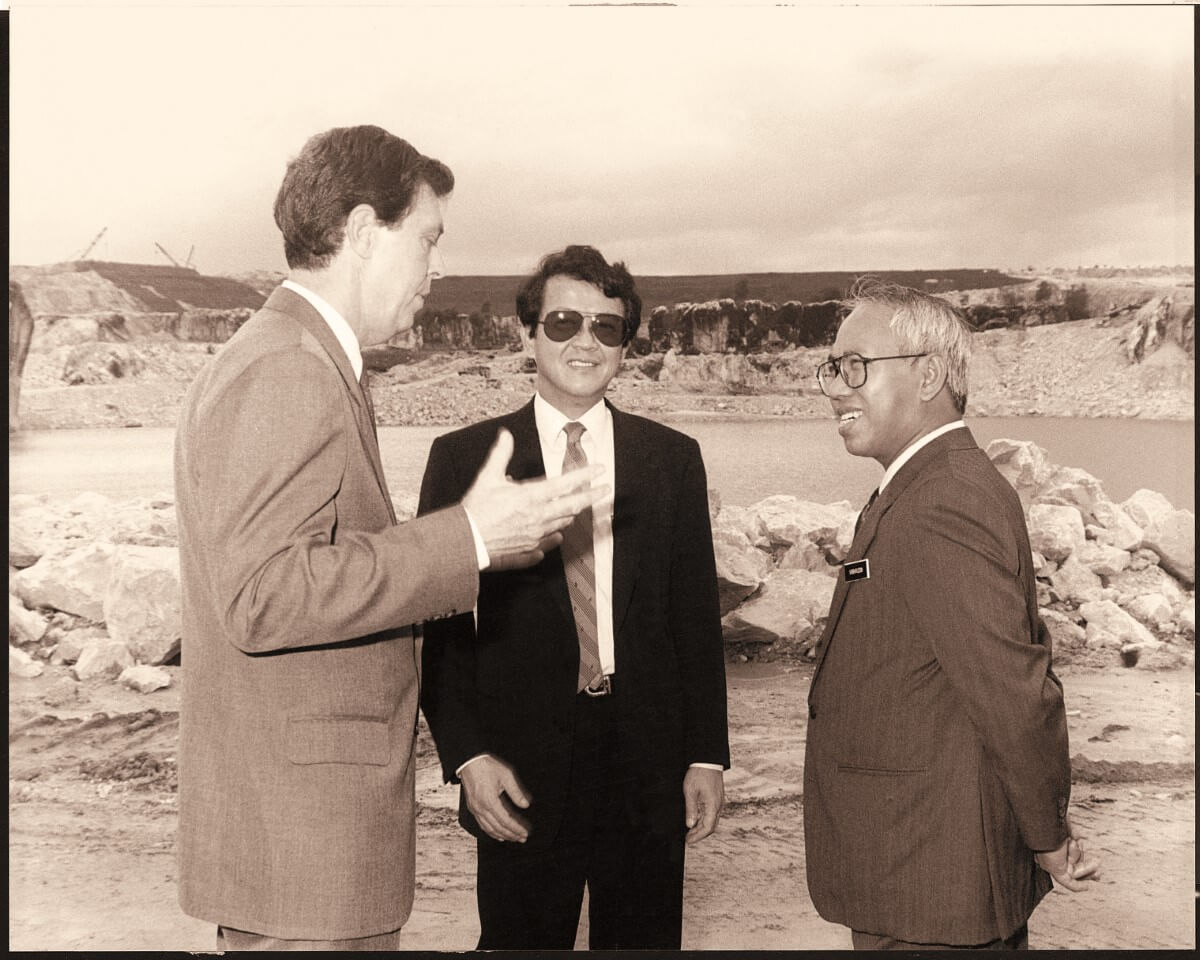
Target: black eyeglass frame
[834,364]
[591,318]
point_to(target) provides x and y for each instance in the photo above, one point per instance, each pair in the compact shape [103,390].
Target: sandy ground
[92,821]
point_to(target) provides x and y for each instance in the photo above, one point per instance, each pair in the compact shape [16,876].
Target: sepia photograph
[653,476]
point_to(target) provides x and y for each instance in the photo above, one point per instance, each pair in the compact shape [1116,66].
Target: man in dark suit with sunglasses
[936,774]
[583,707]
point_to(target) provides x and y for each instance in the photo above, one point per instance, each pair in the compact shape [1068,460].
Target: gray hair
[923,324]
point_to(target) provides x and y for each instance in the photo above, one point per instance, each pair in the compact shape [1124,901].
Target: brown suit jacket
[300,676]
[937,756]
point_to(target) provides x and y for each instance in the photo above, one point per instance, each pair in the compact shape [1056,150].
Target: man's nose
[437,265]
[586,336]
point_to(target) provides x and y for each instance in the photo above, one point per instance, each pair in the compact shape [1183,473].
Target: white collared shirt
[910,451]
[597,443]
[336,323]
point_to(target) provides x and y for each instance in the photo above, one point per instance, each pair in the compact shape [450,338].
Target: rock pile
[94,582]
[1116,581]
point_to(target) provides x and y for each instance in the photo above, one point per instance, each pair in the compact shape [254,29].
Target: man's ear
[527,339]
[361,226]
[933,376]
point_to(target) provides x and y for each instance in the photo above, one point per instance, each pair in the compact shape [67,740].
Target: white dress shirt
[910,451]
[336,323]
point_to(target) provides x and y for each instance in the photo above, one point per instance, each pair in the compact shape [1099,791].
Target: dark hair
[335,172]
[586,264]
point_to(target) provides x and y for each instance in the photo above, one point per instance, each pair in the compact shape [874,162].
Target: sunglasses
[608,328]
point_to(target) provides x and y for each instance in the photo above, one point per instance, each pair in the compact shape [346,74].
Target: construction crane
[91,246]
[163,251]
[186,265]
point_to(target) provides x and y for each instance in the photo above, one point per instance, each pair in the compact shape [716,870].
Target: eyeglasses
[853,369]
[608,328]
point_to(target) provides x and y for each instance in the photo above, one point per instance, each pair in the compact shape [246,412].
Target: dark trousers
[530,897]
[870,941]
[230,939]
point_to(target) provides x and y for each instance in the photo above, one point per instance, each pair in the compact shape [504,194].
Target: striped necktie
[580,569]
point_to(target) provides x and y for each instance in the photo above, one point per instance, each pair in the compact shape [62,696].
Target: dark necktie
[580,568]
[365,382]
[863,512]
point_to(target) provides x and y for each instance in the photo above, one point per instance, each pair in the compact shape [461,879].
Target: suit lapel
[866,533]
[632,465]
[303,312]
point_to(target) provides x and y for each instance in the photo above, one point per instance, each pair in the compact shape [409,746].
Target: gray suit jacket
[937,754]
[299,691]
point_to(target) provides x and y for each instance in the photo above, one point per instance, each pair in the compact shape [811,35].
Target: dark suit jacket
[299,692]
[937,741]
[509,688]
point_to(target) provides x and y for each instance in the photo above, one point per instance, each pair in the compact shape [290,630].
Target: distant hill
[95,286]
[470,294]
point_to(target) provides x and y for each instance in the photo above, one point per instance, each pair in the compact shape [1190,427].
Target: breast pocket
[339,739]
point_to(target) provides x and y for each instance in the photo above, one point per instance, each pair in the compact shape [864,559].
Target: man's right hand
[493,793]
[519,522]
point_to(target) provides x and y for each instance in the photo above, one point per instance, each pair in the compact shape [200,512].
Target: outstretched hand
[520,521]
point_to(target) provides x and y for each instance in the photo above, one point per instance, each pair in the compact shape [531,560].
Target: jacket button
[812,712]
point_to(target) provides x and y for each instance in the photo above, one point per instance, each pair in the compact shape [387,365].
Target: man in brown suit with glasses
[936,775]
[300,671]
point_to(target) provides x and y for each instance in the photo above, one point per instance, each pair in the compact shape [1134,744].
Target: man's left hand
[703,796]
[1068,865]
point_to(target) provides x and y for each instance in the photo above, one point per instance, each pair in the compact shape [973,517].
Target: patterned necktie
[580,568]
[863,512]
[365,382]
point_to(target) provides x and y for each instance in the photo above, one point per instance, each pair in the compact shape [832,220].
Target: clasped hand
[520,521]
[1068,864]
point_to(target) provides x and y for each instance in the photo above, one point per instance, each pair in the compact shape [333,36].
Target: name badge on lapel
[857,570]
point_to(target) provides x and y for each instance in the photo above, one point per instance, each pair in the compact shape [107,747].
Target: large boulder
[1146,578]
[1075,583]
[144,678]
[1109,625]
[102,658]
[1102,559]
[1123,532]
[790,607]
[740,572]
[24,626]
[74,579]
[1144,507]
[1022,463]
[24,546]
[1055,530]
[788,521]
[739,526]
[1072,487]
[1172,535]
[142,603]
[21,664]
[1151,609]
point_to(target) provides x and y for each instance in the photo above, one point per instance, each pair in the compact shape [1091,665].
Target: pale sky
[703,138]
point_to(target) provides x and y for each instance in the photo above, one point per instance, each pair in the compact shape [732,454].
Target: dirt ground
[92,821]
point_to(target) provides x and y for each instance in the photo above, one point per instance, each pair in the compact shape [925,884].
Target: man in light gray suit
[300,672]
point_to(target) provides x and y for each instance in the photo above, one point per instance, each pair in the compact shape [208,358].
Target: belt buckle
[602,689]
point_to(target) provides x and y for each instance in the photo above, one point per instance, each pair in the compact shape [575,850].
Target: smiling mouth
[849,416]
[582,363]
